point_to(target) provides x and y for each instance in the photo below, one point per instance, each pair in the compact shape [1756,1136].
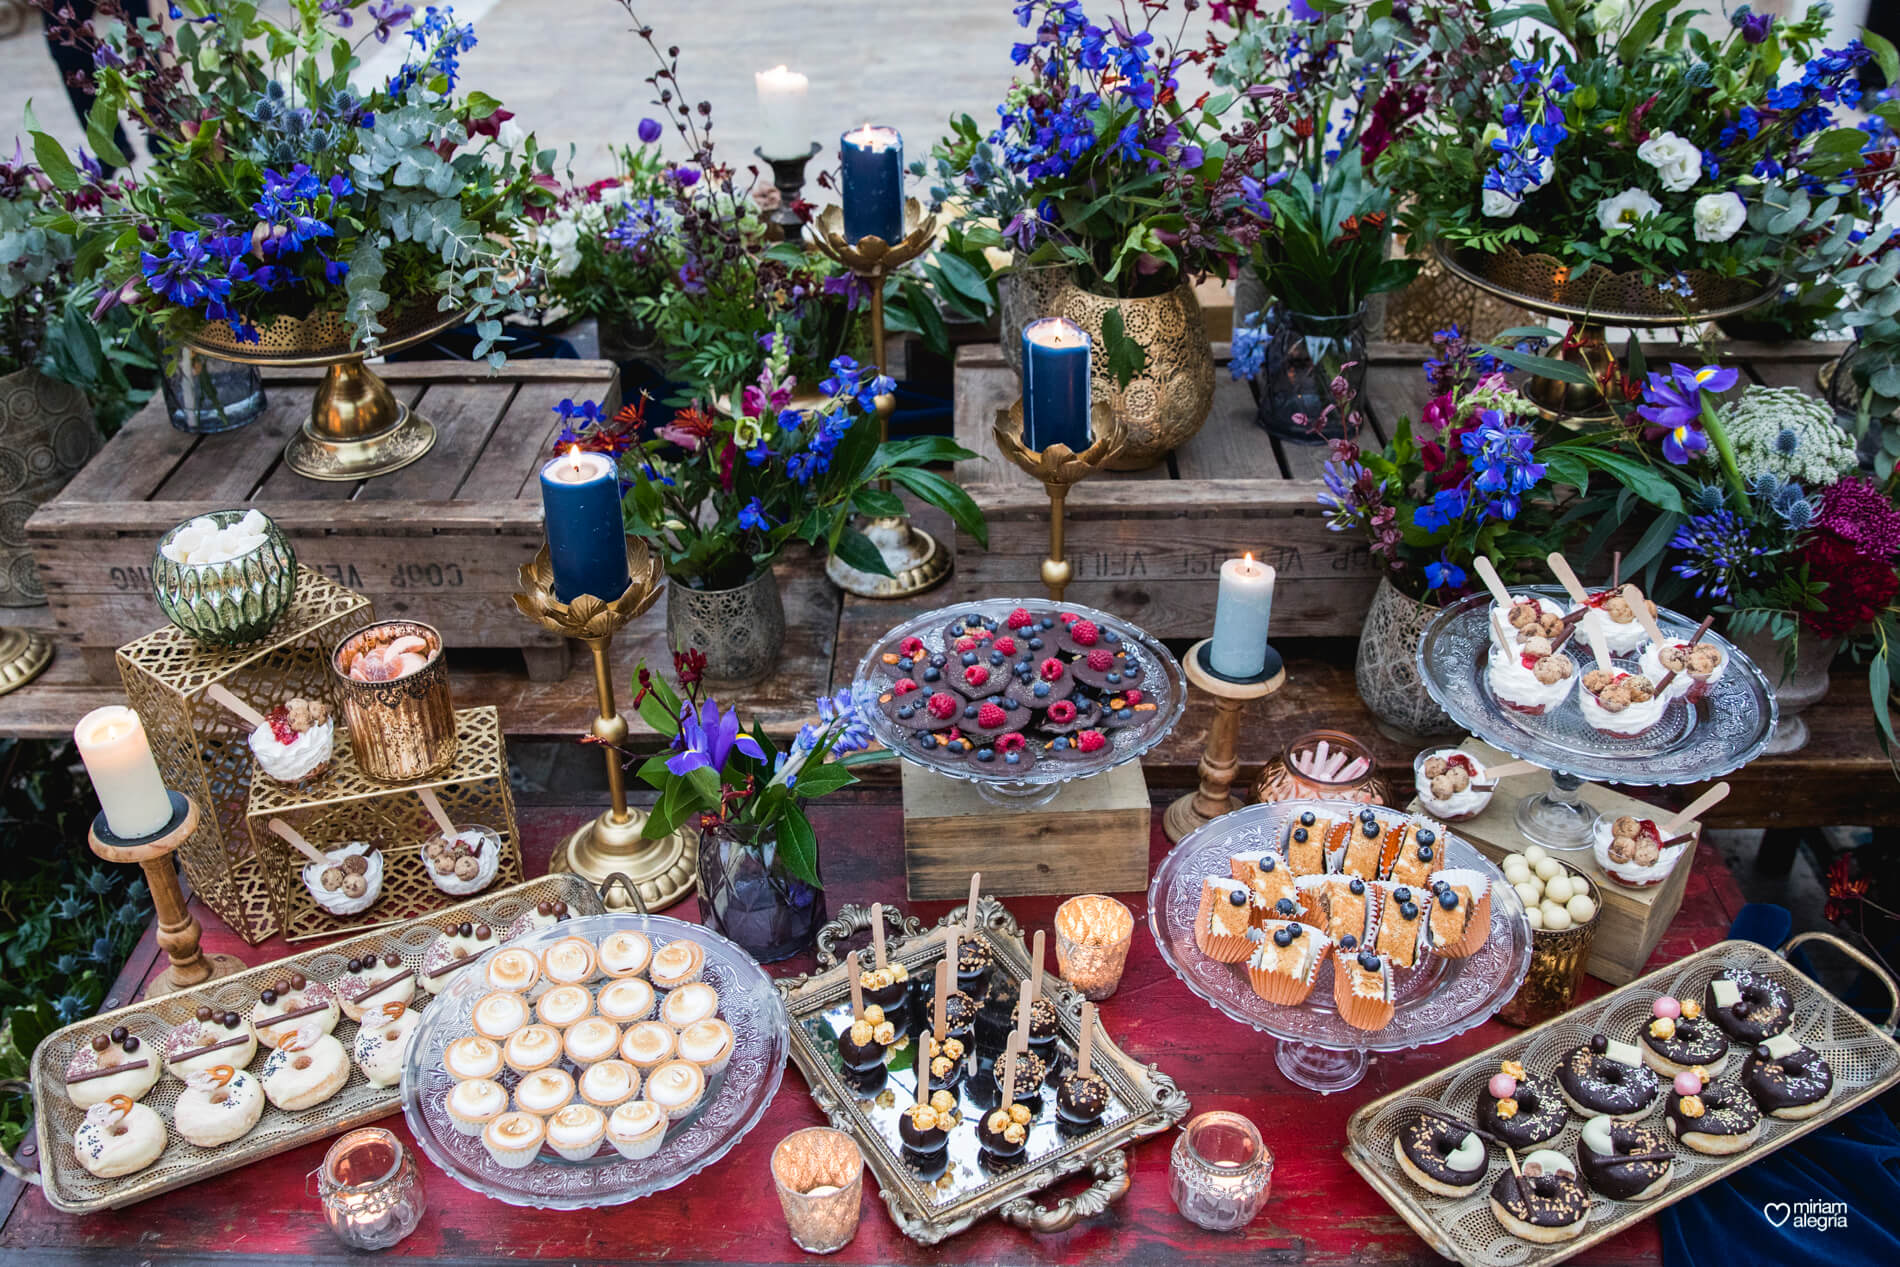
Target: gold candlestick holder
[916,559]
[178,929]
[663,870]
[1059,467]
[1220,760]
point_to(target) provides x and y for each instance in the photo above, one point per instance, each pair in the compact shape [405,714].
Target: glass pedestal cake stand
[732,1104]
[1437,1000]
[1163,682]
[1695,740]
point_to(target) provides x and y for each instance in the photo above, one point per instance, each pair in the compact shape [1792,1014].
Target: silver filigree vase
[741,631]
[1387,667]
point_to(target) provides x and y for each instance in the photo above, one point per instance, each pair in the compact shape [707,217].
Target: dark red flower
[1858,588]
[689,666]
[1845,890]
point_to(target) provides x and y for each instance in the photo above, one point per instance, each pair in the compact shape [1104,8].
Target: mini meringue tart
[544,1091]
[532,1048]
[498,1014]
[513,969]
[648,1045]
[474,1104]
[625,954]
[676,1087]
[609,1084]
[708,1044]
[677,963]
[575,1131]
[694,1001]
[472,1056]
[563,1005]
[591,1040]
[513,1139]
[637,1129]
[626,1000]
[569,961]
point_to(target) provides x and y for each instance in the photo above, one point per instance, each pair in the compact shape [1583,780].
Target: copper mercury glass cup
[401,728]
[1281,780]
[1557,959]
[371,1189]
[1093,933]
[1220,1171]
[819,1173]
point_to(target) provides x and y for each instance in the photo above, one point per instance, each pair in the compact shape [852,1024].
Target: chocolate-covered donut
[1762,1010]
[1439,1155]
[1594,1082]
[1693,1041]
[1722,1119]
[1543,1200]
[1538,1112]
[1602,1152]
[1790,1084]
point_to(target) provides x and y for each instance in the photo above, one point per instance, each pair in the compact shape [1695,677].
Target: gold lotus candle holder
[819,1173]
[664,870]
[1059,468]
[403,728]
[1093,934]
[916,559]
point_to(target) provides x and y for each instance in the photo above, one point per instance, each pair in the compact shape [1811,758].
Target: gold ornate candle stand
[916,559]
[1058,468]
[202,749]
[348,804]
[178,930]
[663,870]
[1220,761]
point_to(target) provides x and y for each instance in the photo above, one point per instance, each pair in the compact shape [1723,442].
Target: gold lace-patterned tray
[70,1187]
[1864,1058]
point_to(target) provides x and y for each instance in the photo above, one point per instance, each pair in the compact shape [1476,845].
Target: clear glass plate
[733,1103]
[1166,686]
[1436,1000]
[1695,740]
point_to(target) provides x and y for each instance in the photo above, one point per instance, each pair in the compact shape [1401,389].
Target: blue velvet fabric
[1766,1213]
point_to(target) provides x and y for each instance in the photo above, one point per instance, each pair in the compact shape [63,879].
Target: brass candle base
[178,929]
[1220,760]
[1058,467]
[357,429]
[24,655]
[664,870]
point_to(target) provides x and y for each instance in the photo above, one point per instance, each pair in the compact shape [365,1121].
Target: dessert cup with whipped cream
[1531,678]
[348,881]
[1446,780]
[295,742]
[1619,703]
[1696,667]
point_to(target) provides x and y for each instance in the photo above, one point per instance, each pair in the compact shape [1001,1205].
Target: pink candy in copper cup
[394,686]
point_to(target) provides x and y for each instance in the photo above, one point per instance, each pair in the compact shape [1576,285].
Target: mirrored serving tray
[931,1207]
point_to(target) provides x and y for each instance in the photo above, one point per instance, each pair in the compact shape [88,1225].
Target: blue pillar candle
[1056,384]
[871,175]
[587,541]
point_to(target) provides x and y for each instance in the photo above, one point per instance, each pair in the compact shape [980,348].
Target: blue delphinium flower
[1501,455]
[1444,574]
[753,516]
[1249,347]
[1446,506]
[440,40]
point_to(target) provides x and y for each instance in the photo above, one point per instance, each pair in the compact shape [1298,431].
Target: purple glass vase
[747,895]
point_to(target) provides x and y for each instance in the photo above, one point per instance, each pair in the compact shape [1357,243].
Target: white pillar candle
[784,130]
[1239,648]
[124,776]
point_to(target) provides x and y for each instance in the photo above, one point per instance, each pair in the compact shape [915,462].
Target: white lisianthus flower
[1500,204]
[1719,217]
[1677,162]
[1620,214]
[510,134]
[1609,15]
[562,239]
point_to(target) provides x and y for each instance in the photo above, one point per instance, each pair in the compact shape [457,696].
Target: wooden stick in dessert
[946,982]
[1511,1153]
[245,713]
[1009,1073]
[1494,774]
[1682,817]
[1026,1001]
[922,1069]
[877,933]
[281,828]
[1088,1039]
[950,952]
[857,988]
[1599,644]
[1644,617]
[1492,581]
[1035,972]
[1616,569]
[1567,577]
[1497,629]
[969,912]
[440,815]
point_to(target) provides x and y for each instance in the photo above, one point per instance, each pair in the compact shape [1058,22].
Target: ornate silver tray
[1165,685]
[1436,1000]
[70,1187]
[1864,1058]
[1143,1101]
[732,1104]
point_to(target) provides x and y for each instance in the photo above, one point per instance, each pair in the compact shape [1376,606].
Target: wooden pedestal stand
[1220,761]
[178,930]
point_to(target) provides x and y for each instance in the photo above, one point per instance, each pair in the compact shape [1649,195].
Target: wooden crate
[439,541]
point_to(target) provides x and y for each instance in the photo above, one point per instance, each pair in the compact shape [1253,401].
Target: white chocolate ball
[1534,916]
[1516,870]
[1559,889]
[1581,908]
[1556,918]
[1549,869]
[1529,894]
[1535,854]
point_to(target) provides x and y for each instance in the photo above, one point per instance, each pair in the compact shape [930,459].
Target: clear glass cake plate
[1436,1000]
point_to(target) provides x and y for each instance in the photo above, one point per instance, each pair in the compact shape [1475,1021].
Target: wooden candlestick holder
[1057,468]
[178,930]
[1220,761]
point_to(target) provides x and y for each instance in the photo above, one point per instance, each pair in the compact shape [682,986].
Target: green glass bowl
[237,601]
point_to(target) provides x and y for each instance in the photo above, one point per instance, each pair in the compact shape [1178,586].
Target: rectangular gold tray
[1865,1061]
[70,1187]
[1144,1101]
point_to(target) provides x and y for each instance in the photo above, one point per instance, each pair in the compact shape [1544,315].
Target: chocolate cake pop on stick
[1082,1097]
[1003,1133]
[861,1047]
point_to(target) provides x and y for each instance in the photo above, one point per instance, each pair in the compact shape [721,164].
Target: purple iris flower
[649,131]
[1674,400]
[1300,11]
[707,738]
[1755,27]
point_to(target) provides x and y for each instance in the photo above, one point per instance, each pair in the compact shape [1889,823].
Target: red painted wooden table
[1320,1210]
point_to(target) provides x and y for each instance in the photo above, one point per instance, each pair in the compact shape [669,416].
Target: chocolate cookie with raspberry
[923,710]
[995,716]
[1127,708]
[1080,746]
[1046,681]
[1007,751]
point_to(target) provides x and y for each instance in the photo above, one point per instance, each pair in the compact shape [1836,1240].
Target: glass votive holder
[1220,1172]
[401,727]
[371,1189]
[1093,933]
[819,1173]
[1348,771]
